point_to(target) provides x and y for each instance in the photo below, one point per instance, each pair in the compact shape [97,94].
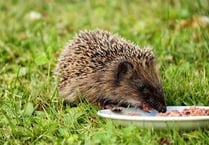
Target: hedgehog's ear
[124,70]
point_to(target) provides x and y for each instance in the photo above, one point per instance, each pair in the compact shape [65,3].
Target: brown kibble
[192,111]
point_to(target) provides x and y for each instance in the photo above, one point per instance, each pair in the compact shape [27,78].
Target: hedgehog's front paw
[117,109]
[113,107]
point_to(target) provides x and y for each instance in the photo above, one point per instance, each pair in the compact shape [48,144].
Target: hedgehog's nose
[163,109]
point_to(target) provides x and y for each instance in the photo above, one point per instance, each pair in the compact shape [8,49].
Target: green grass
[31,111]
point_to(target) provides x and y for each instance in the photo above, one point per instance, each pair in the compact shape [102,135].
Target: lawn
[32,35]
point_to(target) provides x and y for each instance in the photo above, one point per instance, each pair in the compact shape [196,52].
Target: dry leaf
[165,141]
[194,22]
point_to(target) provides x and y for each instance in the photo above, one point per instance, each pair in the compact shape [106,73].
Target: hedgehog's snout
[157,104]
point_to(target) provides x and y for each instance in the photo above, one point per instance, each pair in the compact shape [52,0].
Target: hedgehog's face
[143,86]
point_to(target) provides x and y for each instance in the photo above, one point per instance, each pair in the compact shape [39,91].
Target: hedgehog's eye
[140,85]
[143,89]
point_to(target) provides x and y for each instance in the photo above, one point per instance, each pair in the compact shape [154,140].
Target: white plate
[149,120]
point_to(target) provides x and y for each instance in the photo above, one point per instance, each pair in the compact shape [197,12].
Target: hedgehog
[110,72]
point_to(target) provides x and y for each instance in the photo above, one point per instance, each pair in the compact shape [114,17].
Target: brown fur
[105,68]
